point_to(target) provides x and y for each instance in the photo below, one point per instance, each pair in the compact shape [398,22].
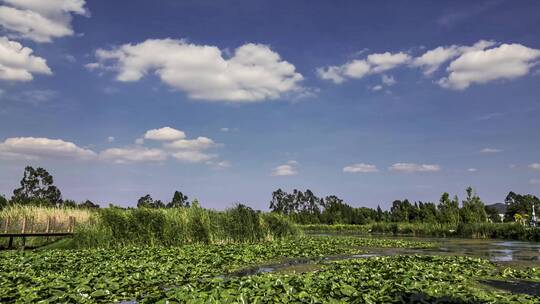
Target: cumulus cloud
[164,134]
[199,143]
[132,154]
[360,168]
[535,166]
[17,63]
[39,20]
[110,139]
[253,73]
[358,68]
[431,60]
[388,80]
[284,170]
[490,150]
[472,170]
[36,148]
[507,61]
[192,156]
[411,167]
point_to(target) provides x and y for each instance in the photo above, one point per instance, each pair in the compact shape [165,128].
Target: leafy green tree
[179,200]
[449,209]
[493,214]
[400,210]
[520,204]
[473,209]
[380,214]
[145,202]
[37,188]
[427,212]
[88,204]
[3,202]
[69,204]
[158,204]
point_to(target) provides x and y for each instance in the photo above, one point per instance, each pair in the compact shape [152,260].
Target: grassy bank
[113,227]
[512,231]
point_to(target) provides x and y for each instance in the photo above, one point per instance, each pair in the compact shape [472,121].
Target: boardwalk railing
[25,229]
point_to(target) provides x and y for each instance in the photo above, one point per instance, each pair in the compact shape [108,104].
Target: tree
[520,204]
[158,204]
[380,214]
[88,204]
[473,210]
[449,209]
[145,202]
[179,200]
[37,187]
[69,204]
[493,214]
[3,202]
[400,210]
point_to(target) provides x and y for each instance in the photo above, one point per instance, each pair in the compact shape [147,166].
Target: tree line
[307,208]
[37,189]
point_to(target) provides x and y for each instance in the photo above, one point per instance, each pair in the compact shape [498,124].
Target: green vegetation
[113,227]
[511,231]
[105,275]
[200,274]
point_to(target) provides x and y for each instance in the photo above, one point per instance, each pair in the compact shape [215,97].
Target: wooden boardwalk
[51,230]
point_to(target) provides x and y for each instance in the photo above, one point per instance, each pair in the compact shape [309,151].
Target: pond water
[499,251]
[510,253]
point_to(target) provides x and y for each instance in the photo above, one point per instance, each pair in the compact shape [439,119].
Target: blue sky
[228,101]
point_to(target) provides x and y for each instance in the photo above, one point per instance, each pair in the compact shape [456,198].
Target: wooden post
[48,224]
[23,225]
[6,229]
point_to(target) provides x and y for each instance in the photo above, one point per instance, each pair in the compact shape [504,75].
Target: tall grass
[113,227]
[37,219]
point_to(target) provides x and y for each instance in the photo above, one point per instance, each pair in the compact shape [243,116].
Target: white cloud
[535,182]
[472,170]
[358,68]
[411,167]
[535,166]
[193,156]
[224,129]
[508,61]
[292,162]
[377,88]
[139,141]
[490,150]
[40,20]
[36,148]
[386,61]
[224,164]
[132,154]
[431,60]
[110,139]
[17,62]
[253,73]
[334,73]
[360,168]
[284,170]
[164,134]
[200,143]
[388,80]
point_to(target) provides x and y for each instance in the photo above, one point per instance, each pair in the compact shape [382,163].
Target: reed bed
[31,219]
[115,227]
